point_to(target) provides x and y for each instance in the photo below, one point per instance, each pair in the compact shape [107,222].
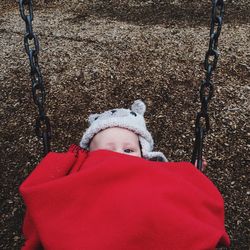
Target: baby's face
[116,139]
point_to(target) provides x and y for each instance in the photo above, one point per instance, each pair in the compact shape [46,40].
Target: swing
[202,125]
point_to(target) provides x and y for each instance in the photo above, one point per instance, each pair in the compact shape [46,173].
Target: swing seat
[106,200]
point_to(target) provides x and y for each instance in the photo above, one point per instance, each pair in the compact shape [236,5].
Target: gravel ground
[96,55]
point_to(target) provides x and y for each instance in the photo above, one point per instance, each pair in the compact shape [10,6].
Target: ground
[97,55]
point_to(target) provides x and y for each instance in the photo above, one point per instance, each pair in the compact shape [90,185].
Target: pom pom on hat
[132,120]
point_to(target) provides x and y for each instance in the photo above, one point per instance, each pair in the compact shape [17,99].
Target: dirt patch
[96,56]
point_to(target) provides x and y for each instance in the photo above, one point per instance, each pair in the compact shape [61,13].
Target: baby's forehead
[117,134]
[123,142]
[118,130]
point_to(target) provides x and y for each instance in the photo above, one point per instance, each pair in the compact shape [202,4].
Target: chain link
[202,124]
[31,45]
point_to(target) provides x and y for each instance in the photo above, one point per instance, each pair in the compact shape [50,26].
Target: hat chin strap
[155,154]
[145,145]
[147,152]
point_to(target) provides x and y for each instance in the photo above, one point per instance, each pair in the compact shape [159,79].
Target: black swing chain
[202,124]
[31,44]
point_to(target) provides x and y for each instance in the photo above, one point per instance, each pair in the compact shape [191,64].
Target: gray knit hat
[132,120]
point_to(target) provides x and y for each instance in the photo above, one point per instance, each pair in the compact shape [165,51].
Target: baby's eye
[128,150]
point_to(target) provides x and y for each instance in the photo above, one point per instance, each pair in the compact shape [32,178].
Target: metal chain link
[202,124]
[31,44]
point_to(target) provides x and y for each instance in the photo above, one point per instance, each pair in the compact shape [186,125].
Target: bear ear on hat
[92,118]
[139,107]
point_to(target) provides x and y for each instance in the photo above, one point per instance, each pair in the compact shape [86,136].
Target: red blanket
[104,200]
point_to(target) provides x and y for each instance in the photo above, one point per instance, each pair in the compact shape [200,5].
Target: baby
[122,131]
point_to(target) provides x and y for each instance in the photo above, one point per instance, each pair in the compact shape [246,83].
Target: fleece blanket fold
[103,200]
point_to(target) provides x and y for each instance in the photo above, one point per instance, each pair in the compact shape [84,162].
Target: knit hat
[131,119]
